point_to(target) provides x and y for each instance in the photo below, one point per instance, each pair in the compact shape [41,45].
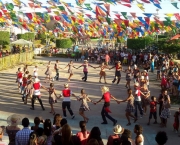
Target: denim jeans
[138,105]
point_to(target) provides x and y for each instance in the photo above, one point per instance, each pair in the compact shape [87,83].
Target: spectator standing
[76,50]
[22,136]
[12,128]
[161,138]
[139,140]
[83,134]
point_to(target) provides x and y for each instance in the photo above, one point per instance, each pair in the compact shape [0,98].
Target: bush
[26,36]
[4,38]
[64,43]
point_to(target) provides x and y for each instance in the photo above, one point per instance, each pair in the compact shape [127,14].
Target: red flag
[126,1]
[146,1]
[29,15]
[127,5]
[118,16]
[73,18]
[147,19]
[177,16]
[99,12]
[126,22]
[57,18]
[133,14]
[117,21]
[107,6]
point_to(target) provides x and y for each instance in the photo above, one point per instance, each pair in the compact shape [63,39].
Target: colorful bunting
[175,5]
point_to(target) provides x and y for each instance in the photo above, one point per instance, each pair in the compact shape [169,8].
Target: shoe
[64,117]
[32,108]
[43,109]
[148,123]
[128,124]
[155,122]
[141,116]
[73,117]
[114,122]
[104,123]
[135,120]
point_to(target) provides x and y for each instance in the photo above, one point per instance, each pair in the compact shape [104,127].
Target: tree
[64,43]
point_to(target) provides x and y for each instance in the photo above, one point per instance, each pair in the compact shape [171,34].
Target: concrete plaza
[11,102]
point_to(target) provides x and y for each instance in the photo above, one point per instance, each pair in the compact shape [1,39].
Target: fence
[12,60]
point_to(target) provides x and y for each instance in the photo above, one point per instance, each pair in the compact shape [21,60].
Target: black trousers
[76,56]
[85,76]
[57,75]
[34,97]
[105,114]
[68,105]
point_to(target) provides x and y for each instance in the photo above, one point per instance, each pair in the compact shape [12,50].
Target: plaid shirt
[22,136]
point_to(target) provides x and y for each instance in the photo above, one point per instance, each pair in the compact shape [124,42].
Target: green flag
[9,6]
[124,14]
[175,5]
[88,6]
[108,20]
[61,8]
[13,16]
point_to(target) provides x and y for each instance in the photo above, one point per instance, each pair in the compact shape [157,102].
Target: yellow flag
[56,12]
[17,2]
[141,6]
[169,15]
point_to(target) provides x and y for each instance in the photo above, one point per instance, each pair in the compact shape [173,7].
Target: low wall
[12,60]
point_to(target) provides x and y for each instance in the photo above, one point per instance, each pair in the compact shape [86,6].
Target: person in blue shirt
[76,50]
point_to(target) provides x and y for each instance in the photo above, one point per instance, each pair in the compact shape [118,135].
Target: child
[84,106]
[52,97]
[176,121]
[36,72]
[153,112]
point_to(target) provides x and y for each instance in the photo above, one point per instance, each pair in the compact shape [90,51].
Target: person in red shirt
[24,84]
[153,111]
[66,94]
[105,110]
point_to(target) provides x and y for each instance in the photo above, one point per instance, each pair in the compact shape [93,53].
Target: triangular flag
[157,5]
[108,20]
[107,6]
[141,6]
[146,1]
[124,14]
[147,14]
[177,16]
[88,6]
[134,15]
[169,15]
[17,2]
[175,5]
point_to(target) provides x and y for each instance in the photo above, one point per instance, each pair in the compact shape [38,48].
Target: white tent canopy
[22,42]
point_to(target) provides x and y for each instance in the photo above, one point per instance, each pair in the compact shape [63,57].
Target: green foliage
[139,43]
[26,36]
[64,43]
[136,43]
[4,38]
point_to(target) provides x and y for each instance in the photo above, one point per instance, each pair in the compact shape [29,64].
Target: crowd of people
[139,98]
[59,132]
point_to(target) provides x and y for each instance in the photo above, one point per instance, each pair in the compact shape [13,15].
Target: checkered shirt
[22,136]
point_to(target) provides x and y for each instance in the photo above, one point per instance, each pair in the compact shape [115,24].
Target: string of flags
[87,19]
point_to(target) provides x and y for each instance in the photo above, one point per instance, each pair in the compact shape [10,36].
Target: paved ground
[10,101]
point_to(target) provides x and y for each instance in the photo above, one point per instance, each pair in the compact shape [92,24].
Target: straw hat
[145,71]
[118,129]
[135,66]
[36,80]
[85,61]
[104,89]
[14,120]
[66,85]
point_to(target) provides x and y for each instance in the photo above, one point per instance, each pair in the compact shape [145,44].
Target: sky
[167,8]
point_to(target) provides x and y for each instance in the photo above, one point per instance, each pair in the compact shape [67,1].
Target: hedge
[26,36]
[64,43]
[4,38]
[12,60]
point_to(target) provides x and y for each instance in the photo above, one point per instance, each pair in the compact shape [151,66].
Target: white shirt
[122,54]
[67,99]
[145,57]
[137,98]
[134,57]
